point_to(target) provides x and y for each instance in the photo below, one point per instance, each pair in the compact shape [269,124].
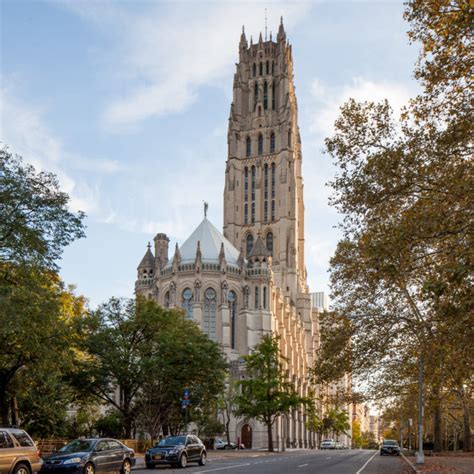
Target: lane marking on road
[303,465]
[222,468]
[328,457]
[365,465]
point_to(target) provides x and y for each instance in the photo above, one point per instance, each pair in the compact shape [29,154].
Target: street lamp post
[420,456]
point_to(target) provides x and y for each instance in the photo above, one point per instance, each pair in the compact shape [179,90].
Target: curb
[410,463]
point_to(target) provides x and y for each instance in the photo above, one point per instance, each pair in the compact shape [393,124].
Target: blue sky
[127,102]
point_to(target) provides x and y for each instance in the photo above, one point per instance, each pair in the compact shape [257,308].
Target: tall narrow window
[257,298]
[255,95]
[260,144]
[248,147]
[246,195]
[187,302]
[254,70]
[261,69]
[232,299]
[265,193]
[252,215]
[273,95]
[265,95]
[209,316]
[273,67]
[249,244]
[268,68]
[269,242]
[167,299]
[273,191]
[273,209]
[264,297]
[272,143]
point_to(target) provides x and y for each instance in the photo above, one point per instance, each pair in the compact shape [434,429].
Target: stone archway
[246,436]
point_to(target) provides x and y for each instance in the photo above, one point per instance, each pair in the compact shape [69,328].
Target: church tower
[263,196]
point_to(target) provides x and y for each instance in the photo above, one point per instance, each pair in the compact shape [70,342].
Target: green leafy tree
[149,355]
[266,392]
[402,272]
[356,434]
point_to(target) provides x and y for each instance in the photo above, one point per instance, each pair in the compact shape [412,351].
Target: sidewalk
[442,463]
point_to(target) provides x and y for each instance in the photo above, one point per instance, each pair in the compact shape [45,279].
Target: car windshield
[172,441]
[77,446]
[390,442]
[328,441]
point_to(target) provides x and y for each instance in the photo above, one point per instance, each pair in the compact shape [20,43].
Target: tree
[356,434]
[266,392]
[149,355]
[401,273]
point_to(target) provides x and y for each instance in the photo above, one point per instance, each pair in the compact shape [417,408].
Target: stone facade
[251,280]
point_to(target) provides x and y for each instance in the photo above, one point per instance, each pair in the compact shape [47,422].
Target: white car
[327,444]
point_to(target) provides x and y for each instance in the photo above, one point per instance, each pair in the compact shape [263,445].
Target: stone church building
[250,280]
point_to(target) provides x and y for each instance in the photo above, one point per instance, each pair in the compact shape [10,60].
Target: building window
[252,216]
[261,69]
[246,195]
[246,213]
[248,147]
[273,67]
[268,68]
[269,242]
[255,95]
[232,298]
[254,70]
[253,213]
[265,193]
[273,210]
[265,95]
[260,144]
[273,96]
[167,299]
[273,179]
[249,244]
[187,302]
[257,298]
[272,143]
[264,297]
[209,316]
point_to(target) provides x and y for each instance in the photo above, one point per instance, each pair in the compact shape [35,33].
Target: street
[300,462]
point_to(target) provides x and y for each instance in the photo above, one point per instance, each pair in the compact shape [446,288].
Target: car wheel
[226,446]
[126,467]
[21,469]
[202,461]
[183,461]
[89,468]
[150,466]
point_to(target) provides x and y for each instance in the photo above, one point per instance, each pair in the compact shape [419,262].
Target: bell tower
[264,185]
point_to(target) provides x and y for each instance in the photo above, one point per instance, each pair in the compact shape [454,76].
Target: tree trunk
[270,436]
[466,423]
[437,431]
[14,411]
[4,405]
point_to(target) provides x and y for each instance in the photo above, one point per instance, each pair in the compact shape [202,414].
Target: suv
[18,452]
[390,446]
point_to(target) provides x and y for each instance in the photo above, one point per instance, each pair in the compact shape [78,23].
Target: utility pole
[420,456]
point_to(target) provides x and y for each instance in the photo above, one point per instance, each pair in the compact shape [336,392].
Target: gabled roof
[259,249]
[210,240]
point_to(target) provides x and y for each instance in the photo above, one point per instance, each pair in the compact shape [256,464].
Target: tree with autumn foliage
[402,274]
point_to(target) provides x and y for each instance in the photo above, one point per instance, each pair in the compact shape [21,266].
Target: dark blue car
[88,456]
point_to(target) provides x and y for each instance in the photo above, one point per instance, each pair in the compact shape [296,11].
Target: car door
[193,448]
[7,451]
[116,455]
[102,458]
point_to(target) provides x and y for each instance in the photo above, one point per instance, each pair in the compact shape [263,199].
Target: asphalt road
[298,462]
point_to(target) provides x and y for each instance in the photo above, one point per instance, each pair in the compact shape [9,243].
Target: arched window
[273,179]
[167,299]
[249,244]
[255,95]
[260,144]
[209,316]
[264,297]
[232,299]
[248,147]
[272,143]
[274,91]
[187,302]
[257,298]
[253,212]
[273,209]
[261,69]
[246,195]
[269,242]
[246,213]
[254,70]
[265,95]
[268,68]
[252,216]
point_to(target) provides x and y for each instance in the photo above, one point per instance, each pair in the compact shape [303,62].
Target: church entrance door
[246,436]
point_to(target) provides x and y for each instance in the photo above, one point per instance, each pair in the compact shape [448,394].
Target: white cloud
[329,99]
[167,51]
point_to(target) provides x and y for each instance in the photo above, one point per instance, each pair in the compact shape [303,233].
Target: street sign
[186,394]
[184,403]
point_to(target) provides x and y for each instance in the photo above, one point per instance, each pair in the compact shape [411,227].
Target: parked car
[390,446]
[87,456]
[18,452]
[177,451]
[327,444]
[219,443]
